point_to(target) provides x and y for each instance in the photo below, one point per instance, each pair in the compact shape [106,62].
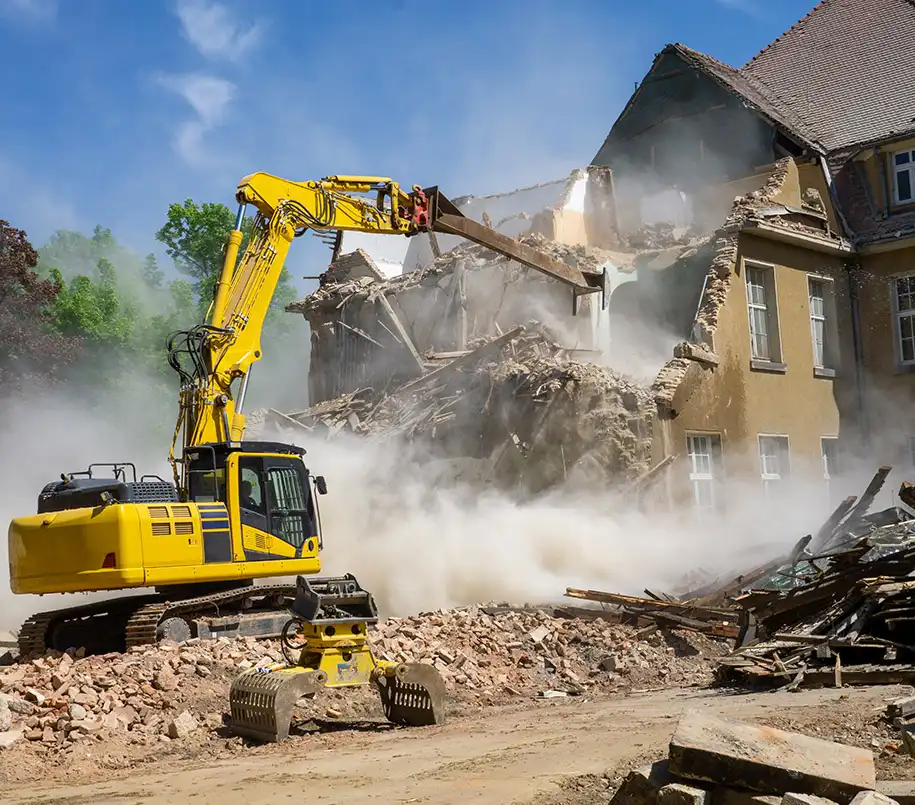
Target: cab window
[289,505]
[207,486]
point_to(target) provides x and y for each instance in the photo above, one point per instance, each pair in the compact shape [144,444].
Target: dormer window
[904,177]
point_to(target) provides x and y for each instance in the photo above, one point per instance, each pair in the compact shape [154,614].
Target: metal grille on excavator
[413,697]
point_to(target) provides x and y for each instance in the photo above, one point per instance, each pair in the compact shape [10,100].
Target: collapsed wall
[376,332]
[528,414]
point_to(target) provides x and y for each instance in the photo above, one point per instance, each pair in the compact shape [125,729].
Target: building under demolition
[758,251]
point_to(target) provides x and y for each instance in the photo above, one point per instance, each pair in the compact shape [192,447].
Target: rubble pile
[530,651]
[715,761]
[838,609]
[151,694]
[172,692]
[517,401]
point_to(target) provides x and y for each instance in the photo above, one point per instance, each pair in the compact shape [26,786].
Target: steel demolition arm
[285,210]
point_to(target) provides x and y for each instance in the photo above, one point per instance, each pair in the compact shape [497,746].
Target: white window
[704,469]
[817,293]
[761,307]
[904,297]
[904,177]
[829,446]
[774,463]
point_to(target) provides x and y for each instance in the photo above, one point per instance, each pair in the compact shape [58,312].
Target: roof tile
[846,69]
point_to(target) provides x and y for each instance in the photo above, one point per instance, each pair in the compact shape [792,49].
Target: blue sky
[114,108]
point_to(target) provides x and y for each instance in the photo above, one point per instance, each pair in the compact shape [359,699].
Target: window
[817,293]
[904,299]
[289,504]
[704,471]
[904,177]
[761,307]
[829,447]
[773,462]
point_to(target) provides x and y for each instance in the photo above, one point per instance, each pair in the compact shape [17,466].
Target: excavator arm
[222,351]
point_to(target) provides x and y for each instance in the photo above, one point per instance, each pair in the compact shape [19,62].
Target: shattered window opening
[758,308]
[905,313]
[774,462]
[904,176]
[705,458]
[817,294]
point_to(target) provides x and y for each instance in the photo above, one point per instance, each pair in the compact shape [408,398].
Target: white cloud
[29,10]
[209,97]
[210,27]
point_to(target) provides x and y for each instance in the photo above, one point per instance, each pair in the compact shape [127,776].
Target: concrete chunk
[873,798]
[641,786]
[681,794]
[805,799]
[766,760]
[902,791]
[728,796]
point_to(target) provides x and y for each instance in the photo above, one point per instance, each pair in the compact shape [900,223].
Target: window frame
[828,476]
[895,169]
[713,478]
[830,325]
[784,473]
[774,362]
[899,315]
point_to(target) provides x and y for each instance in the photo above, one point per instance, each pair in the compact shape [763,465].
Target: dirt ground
[551,752]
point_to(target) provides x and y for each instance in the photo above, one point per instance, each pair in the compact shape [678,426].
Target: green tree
[153,276]
[195,237]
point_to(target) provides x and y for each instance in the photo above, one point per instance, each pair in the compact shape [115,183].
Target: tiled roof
[845,69]
[749,89]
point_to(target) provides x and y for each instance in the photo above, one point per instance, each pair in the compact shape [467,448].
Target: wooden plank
[404,337]
[901,708]
[457,363]
[826,530]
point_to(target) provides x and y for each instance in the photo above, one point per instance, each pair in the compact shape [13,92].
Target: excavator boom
[230,343]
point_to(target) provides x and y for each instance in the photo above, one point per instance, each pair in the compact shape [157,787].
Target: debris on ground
[713,760]
[178,692]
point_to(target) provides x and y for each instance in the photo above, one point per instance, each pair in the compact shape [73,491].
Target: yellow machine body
[128,545]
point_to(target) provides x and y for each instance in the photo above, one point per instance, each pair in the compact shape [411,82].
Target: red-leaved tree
[32,352]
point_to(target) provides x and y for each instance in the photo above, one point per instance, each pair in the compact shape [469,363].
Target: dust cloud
[44,434]
[421,540]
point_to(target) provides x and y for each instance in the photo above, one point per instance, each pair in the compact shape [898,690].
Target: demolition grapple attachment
[330,619]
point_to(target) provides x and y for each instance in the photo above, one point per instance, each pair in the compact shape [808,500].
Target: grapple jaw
[413,695]
[262,704]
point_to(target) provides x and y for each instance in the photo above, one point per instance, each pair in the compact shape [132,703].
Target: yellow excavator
[237,511]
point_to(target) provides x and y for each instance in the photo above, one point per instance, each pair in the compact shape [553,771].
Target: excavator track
[137,618]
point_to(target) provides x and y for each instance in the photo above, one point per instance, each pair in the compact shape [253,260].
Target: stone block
[767,761]
[641,786]
[728,796]
[682,794]
[902,791]
[873,798]
[805,799]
